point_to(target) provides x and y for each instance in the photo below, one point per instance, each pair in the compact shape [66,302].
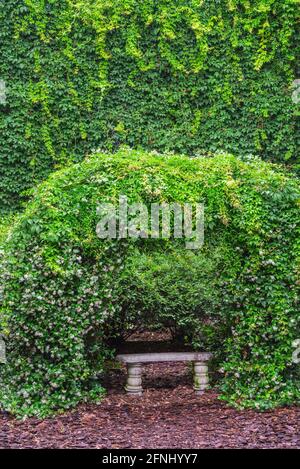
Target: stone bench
[134,363]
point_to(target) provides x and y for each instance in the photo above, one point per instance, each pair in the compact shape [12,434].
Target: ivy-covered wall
[185,75]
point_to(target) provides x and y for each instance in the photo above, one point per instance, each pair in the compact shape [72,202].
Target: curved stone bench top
[164,357]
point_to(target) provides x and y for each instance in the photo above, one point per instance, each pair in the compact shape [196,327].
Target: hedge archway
[66,293]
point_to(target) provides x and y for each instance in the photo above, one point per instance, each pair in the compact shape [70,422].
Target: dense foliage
[182,75]
[66,294]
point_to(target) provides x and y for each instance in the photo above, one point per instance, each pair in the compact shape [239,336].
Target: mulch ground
[168,415]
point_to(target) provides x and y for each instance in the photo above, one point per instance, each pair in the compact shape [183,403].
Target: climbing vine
[181,75]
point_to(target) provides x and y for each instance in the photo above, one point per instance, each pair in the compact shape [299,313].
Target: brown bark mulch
[168,415]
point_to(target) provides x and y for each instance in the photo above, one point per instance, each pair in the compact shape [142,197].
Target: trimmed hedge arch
[66,293]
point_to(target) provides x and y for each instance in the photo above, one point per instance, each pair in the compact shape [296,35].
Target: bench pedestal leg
[134,379]
[201,380]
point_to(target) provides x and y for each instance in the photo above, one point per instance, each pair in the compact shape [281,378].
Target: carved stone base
[134,379]
[201,380]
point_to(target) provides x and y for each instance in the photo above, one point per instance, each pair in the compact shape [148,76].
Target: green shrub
[67,293]
[180,75]
[5,223]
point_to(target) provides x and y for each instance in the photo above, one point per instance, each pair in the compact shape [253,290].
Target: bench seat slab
[164,357]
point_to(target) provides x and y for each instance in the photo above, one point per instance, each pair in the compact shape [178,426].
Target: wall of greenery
[189,76]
